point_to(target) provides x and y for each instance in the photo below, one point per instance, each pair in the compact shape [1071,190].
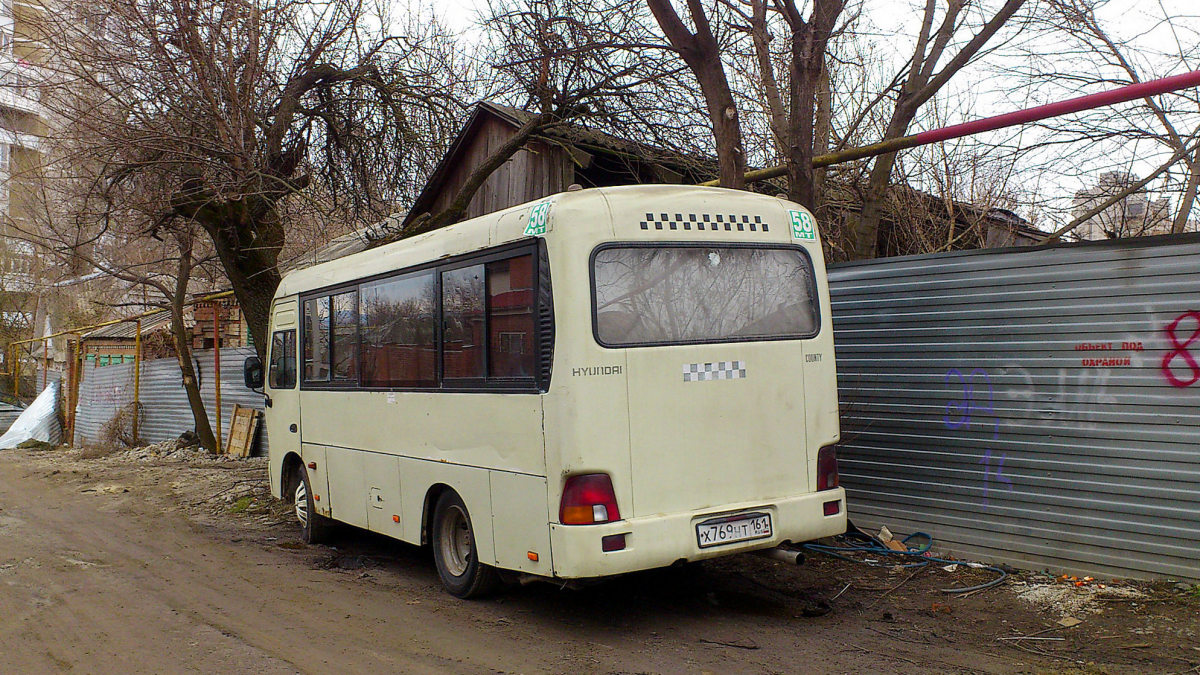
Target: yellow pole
[820,161]
[217,366]
[78,368]
[137,375]
[45,361]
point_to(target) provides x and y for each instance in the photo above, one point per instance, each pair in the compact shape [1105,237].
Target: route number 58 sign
[803,226]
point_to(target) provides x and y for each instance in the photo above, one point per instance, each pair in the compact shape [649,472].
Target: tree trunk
[864,230]
[703,56]
[1189,196]
[248,237]
[727,128]
[822,131]
[801,187]
[810,39]
[183,350]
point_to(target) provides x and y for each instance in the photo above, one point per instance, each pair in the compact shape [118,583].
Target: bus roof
[512,224]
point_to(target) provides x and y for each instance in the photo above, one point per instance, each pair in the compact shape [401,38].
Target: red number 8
[1181,352]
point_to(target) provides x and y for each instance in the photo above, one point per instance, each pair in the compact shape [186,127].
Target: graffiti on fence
[959,413]
[1179,364]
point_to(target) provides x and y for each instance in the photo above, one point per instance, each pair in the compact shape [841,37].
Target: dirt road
[112,567]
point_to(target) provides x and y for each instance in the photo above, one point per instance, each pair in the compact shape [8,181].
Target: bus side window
[316,339]
[282,372]
[462,322]
[511,330]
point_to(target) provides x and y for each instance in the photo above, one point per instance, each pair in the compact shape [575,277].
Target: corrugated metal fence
[1037,406]
[166,413]
[8,414]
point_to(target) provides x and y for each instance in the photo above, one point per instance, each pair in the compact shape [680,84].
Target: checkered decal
[704,221]
[721,370]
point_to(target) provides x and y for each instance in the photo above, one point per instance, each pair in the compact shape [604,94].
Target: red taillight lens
[587,500]
[613,542]
[827,470]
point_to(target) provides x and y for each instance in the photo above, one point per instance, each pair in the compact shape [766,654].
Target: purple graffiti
[958,416]
[959,412]
[995,472]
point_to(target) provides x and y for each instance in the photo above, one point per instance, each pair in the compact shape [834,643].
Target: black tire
[314,528]
[454,551]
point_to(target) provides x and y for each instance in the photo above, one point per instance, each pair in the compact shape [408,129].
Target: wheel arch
[288,473]
[432,495]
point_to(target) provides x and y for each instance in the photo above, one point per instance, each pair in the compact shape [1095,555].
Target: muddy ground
[136,562]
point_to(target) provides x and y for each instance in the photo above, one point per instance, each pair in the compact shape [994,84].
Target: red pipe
[1120,95]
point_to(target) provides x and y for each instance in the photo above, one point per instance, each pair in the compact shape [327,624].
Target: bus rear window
[686,294]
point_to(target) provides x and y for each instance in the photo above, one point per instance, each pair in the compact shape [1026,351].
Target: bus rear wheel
[314,528]
[454,552]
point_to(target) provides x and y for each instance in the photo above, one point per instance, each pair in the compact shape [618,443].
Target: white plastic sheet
[39,422]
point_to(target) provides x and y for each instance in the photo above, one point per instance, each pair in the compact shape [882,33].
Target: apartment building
[1136,215]
[22,124]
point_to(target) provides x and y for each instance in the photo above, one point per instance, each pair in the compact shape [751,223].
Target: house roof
[348,244]
[573,134]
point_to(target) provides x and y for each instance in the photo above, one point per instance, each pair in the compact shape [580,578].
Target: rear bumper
[658,541]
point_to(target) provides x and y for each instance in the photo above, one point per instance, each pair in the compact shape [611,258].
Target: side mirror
[252,372]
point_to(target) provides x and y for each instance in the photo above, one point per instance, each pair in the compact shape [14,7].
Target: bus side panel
[347,493]
[381,475]
[492,431]
[317,479]
[521,523]
[472,484]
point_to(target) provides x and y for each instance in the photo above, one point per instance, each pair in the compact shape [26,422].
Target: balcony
[19,87]
[16,282]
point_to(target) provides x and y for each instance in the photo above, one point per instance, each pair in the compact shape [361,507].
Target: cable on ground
[855,541]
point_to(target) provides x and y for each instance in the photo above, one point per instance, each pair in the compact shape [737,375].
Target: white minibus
[598,382]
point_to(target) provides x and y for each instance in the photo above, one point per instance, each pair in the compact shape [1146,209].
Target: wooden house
[572,154]
[552,161]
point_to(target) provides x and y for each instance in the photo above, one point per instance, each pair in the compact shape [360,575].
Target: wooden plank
[241,431]
[255,418]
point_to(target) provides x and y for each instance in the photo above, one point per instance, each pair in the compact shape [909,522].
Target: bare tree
[924,77]
[242,107]
[1153,127]
[88,230]
[702,53]
[567,62]
[801,125]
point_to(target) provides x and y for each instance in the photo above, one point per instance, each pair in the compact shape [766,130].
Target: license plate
[732,529]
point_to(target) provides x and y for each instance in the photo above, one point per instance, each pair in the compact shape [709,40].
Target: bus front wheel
[314,527]
[454,551]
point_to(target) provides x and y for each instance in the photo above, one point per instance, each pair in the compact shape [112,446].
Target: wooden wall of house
[536,171]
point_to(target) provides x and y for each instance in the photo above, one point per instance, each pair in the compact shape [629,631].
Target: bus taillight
[588,499]
[827,469]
